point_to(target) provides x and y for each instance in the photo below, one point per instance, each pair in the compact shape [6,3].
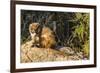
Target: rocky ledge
[35,54]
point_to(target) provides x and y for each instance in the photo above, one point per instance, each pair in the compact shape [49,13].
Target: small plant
[86,49]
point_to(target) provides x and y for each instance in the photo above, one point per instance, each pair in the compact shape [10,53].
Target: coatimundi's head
[33,28]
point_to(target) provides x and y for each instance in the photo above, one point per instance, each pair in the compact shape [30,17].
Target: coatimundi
[43,37]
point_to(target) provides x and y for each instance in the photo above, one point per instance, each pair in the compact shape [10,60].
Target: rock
[67,50]
[35,54]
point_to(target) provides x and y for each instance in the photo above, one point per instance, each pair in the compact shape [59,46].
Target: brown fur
[47,37]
